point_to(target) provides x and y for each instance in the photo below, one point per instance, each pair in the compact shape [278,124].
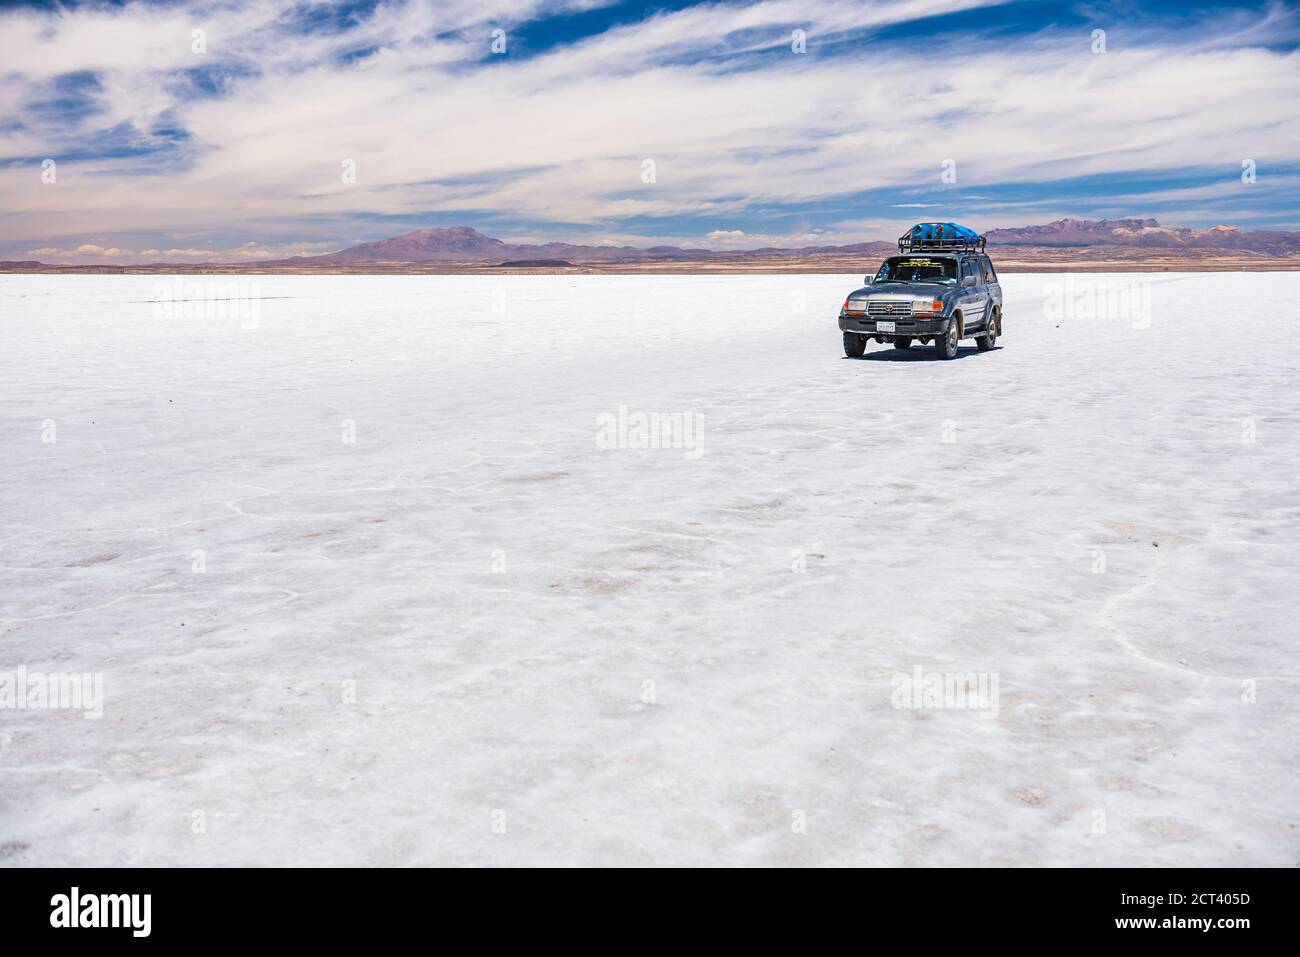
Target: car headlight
[855,305]
[927,307]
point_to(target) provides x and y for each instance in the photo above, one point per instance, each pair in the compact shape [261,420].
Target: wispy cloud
[187,141]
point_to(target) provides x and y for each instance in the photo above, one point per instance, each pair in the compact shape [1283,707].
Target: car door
[973,298]
[991,285]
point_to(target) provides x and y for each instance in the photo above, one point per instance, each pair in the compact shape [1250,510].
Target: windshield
[918,269]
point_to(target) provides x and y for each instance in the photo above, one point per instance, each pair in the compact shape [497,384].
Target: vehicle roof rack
[940,237]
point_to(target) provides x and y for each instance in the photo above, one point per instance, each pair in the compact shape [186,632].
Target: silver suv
[939,291]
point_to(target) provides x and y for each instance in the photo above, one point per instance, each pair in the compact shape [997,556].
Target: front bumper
[905,326]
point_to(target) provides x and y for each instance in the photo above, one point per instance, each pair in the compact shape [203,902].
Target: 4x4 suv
[941,288]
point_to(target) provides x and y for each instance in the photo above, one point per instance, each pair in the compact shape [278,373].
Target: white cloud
[561,137]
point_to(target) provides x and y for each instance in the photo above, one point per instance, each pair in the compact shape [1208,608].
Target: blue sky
[186,130]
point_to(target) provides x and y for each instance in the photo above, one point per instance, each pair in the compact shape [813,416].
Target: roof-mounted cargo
[937,237]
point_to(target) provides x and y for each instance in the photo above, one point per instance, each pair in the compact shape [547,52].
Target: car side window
[968,269]
[989,274]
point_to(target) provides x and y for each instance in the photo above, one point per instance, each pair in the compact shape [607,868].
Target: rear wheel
[903,343]
[854,345]
[985,342]
[945,345]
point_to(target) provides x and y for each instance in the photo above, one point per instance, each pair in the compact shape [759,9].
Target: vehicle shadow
[914,354]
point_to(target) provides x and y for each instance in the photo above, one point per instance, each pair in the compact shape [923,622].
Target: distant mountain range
[1065,243]
[1144,233]
[462,244]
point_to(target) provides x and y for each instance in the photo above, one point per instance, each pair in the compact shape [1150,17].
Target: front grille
[889,308]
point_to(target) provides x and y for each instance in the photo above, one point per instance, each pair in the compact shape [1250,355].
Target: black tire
[854,345]
[903,343]
[986,342]
[945,346]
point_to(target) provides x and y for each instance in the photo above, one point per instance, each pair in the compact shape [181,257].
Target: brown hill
[1144,233]
[465,245]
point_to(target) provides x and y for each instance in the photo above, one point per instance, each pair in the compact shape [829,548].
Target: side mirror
[968,281]
[868,280]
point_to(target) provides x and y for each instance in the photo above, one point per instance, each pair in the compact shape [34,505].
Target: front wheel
[945,345]
[903,343]
[854,345]
[985,342]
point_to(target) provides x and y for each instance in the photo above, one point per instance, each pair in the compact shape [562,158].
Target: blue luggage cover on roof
[948,232]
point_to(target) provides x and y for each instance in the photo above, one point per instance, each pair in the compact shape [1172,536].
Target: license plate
[884,326]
